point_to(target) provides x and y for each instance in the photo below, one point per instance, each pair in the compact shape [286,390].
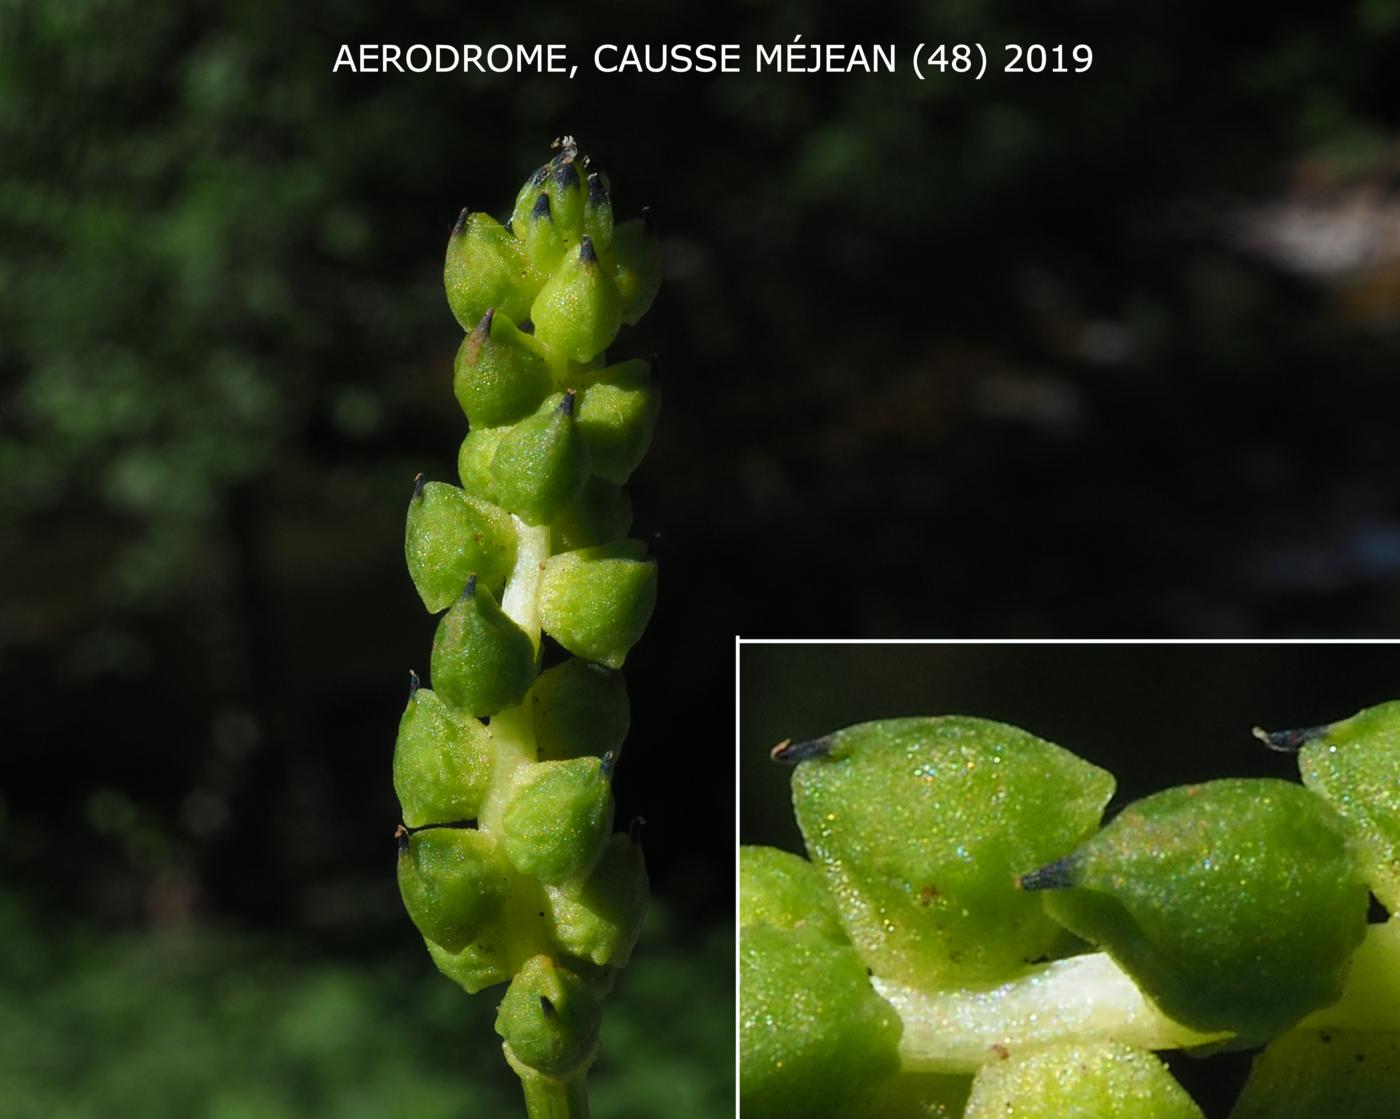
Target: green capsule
[617,414]
[1318,1074]
[450,535]
[549,1020]
[1083,1080]
[566,196]
[541,464]
[813,1034]
[597,601]
[453,882]
[579,708]
[600,918]
[920,826]
[474,460]
[482,661]
[597,210]
[578,311]
[784,890]
[528,196]
[485,268]
[1235,905]
[545,244]
[558,817]
[1355,766]
[601,515]
[442,761]
[635,261]
[499,375]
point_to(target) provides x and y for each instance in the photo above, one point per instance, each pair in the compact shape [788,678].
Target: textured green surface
[451,536]
[1082,1081]
[617,412]
[482,270]
[603,512]
[1324,1074]
[921,826]
[1236,904]
[442,762]
[812,1032]
[596,602]
[557,818]
[578,311]
[482,661]
[579,708]
[1355,765]
[786,891]
[548,1019]
[600,918]
[453,881]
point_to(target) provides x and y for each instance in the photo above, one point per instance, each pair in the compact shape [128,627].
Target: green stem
[548,1098]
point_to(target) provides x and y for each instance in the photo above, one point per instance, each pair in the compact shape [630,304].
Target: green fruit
[544,244]
[558,817]
[1235,905]
[635,262]
[579,708]
[474,461]
[921,825]
[549,1020]
[541,464]
[784,890]
[598,211]
[453,883]
[499,374]
[449,536]
[1318,1074]
[578,311]
[597,601]
[617,414]
[600,918]
[1088,1080]
[484,268]
[442,761]
[813,1033]
[601,515]
[1355,766]
[482,661]
[481,964]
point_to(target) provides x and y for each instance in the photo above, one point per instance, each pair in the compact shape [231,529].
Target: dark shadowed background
[1095,354]
[1153,715]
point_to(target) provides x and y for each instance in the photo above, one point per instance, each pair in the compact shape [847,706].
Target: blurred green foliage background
[1112,353]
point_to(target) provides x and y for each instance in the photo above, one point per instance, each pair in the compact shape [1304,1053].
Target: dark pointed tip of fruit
[1289,741]
[586,252]
[634,830]
[540,175]
[1059,875]
[790,753]
[597,192]
[469,591]
[460,223]
[541,208]
[484,326]
[566,406]
[566,176]
[413,683]
[401,835]
[608,764]
[547,1006]
[418,483]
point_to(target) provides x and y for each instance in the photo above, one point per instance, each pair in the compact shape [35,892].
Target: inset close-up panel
[1135,880]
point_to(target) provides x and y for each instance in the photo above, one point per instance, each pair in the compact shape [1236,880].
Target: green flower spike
[1236,905]
[506,862]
